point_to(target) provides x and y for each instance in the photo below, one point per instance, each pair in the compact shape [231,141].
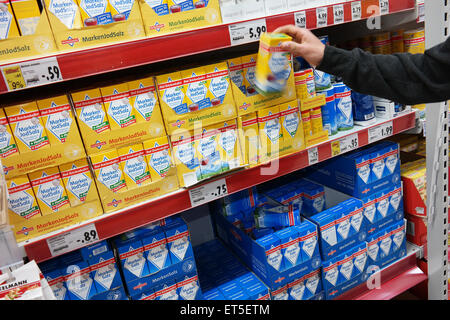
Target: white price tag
[208,192]
[313,156]
[338,12]
[420,11]
[300,19]
[73,239]
[322,17]
[356,10]
[31,73]
[384,6]
[349,143]
[381,131]
[245,32]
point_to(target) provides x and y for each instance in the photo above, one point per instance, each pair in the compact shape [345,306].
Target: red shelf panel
[394,280]
[108,58]
[113,224]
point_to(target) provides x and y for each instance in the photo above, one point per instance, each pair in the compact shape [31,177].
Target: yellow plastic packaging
[414,41]
[60,125]
[27,127]
[8,144]
[158,156]
[27,15]
[273,64]
[381,43]
[49,190]
[249,67]
[66,11]
[95,12]
[195,86]
[306,121]
[132,159]
[22,203]
[229,145]
[292,128]
[304,84]
[186,157]
[271,136]
[236,71]
[77,179]
[397,41]
[116,99]
[316,120]
[249,137]
[8,26]
[108,170]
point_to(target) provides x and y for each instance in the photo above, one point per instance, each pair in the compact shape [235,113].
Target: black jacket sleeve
[401,77]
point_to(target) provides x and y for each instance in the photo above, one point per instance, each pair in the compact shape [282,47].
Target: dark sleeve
[401,77]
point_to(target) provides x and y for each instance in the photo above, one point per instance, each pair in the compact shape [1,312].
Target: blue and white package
[322,79]
[343,226]
[346,265]
[56,282]
[382,205]
[308,240]
[105,272]
[160,7]
[178,241]
[385,242]
[188,288]
[167,291]
[395,199]
[343,101]
[244,200]
[329,113]
[272,248]
[313,284]
[357,221]
[330,273]
[290,249]
[296,289]
[378,168]
[373,249]
[360,259]
[95,249]
[391,156]
[131,256]
[79,281]
[236,219]
[398,235]
[362,107]
[280,293]
[155,250]
[369,211]
[213,294]
[261,232]
[313,199]
[277,217]
[326,221]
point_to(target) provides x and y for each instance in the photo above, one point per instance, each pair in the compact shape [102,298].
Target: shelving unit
[396,278]
[120,56]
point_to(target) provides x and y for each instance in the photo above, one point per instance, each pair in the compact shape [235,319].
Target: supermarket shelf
[120,56]
[112,224]
[393,279]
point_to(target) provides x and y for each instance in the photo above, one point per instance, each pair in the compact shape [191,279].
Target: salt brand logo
[98,144]
[245,106]
[25,230]
[7,169]
[70,41]
[178,123]
[114,203]
[157,26]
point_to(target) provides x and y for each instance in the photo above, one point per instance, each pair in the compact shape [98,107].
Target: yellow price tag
[335,148]
[14,78]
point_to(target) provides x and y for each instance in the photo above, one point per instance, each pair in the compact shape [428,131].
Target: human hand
[305,44]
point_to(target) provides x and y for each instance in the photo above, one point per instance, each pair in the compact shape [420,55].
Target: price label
[73,239]
[338,12]
[32,73]
[349,143]
[313,156]
[381,131]
[245,32]
[384,6]
[356,10]
[420,11]
[300,19]
[335,148]
[208,192]
[322,17]
[13,77]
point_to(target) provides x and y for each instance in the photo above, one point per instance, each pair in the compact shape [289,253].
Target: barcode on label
[60,248]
